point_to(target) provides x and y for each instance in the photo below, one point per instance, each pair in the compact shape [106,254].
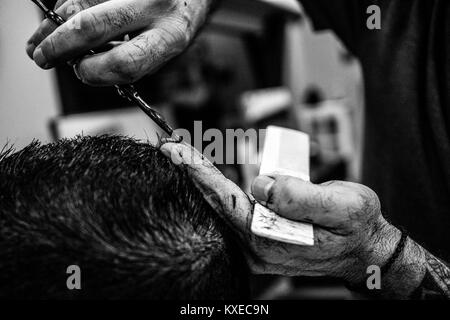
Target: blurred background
[258,62]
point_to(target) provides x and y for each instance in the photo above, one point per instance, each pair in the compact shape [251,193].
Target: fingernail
[166,152]
[40,59]
[261,188]
[174,156]
[77,71]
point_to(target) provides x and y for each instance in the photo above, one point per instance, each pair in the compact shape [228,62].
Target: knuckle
[369,200]
[70,9]
[361,199]
[90,27]
[175,37]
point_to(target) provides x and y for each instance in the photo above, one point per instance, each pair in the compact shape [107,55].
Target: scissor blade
[127,91]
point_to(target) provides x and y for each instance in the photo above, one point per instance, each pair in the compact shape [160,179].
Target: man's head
[133,222]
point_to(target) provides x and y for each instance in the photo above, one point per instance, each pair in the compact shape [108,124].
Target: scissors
[128,91]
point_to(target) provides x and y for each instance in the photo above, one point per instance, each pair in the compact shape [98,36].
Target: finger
[89,29]
[45,28]
[66,9]
[132,60]
[298,200]
[59,3]
[231,203]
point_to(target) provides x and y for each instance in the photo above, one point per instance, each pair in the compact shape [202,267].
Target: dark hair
[133,222]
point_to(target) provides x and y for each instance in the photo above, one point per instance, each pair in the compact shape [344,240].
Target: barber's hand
[350,232]
[159,30]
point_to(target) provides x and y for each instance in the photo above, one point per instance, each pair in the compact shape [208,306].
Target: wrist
[402,275]
[376,250]
[383,243]
[407,272]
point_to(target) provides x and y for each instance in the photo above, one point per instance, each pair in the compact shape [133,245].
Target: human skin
[349,230]
[158,31]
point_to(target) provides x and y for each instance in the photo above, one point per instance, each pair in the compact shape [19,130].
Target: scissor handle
[126,91]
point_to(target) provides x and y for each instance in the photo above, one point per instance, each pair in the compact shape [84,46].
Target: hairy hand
[159,30]
[350,232]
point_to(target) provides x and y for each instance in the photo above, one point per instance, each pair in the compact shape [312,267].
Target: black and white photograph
[224,156]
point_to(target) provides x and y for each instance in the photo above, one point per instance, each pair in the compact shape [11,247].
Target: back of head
[133,223]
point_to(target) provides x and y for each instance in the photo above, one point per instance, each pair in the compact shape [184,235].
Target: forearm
[416,273]
[437,278]
[406,274]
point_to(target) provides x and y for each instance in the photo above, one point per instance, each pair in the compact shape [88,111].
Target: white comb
[286,152]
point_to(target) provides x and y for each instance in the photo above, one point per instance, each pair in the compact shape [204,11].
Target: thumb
[298,200]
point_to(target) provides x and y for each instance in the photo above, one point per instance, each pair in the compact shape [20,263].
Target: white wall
[28,96]
[313,59]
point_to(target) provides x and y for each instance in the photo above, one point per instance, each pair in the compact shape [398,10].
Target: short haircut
[133,222]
